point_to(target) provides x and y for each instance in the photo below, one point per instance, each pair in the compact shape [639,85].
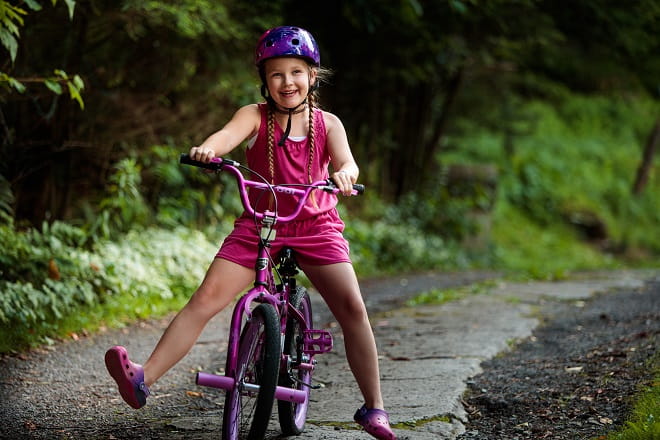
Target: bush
[49,283]
[45,274]
[380,247]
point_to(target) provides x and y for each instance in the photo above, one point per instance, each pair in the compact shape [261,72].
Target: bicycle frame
[264,289]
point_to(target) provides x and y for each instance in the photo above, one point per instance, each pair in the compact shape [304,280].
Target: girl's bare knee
[350,311]
[205,303]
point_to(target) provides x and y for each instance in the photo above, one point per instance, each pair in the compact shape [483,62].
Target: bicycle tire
[292,416]
[259,356]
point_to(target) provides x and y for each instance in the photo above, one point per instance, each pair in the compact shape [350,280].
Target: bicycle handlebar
[303,191]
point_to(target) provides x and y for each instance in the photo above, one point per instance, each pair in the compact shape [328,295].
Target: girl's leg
[338,285]
[223,281]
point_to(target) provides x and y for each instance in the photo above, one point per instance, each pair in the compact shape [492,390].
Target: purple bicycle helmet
[287,41]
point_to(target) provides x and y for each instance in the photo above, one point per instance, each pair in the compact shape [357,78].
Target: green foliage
[156,189]
[439,215]
[184,195]
[50,285]
[447,205]
[189,66]
[73,83]
[528,249]
[6,201]
[45,274]
[571,169]
[8,81]
[189,18]
[123,207]
[379,247]
[157,263]
[11,20]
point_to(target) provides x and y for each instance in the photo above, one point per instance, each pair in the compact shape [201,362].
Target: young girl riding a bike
[290,140]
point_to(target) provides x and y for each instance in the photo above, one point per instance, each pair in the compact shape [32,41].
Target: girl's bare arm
[346,171]
[244,124]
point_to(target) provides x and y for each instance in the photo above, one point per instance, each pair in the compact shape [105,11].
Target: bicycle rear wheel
[292,415]
[247,408]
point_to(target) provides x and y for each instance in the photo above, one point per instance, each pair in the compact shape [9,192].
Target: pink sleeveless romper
[316,235]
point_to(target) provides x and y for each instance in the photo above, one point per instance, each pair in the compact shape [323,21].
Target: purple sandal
[129,377]
[376,422]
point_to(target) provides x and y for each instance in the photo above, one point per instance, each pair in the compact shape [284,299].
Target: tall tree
[645,165]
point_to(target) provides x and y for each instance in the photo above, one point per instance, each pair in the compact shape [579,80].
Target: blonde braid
[271,142]
[311,135]
[312,140]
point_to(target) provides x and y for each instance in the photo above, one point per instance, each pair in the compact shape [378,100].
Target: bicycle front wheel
[249,404]
[292,416]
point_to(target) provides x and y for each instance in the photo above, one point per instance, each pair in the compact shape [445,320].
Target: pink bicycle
[272,342]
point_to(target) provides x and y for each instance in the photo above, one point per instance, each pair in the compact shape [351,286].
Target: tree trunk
[647,160]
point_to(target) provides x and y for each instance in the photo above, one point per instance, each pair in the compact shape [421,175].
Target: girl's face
[288,80]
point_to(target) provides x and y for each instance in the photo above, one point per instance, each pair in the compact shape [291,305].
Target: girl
[288,62]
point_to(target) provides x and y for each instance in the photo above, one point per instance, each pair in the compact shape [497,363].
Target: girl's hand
[344,181]
[202,154]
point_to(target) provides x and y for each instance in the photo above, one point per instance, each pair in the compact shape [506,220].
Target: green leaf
[10,19]
[78,82]
[75,94]
[13,82]
[9,42]
[417,7]
[71,4]
[54,86]
[20,88]
[32,4]
[12,28]
[458,6]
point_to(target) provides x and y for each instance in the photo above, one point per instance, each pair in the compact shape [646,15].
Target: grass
[644,421]
[441,296]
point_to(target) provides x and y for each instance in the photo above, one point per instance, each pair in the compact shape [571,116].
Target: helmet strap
[290,111]
[287,131]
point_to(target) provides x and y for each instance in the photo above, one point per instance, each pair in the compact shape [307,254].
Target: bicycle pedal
[317,341]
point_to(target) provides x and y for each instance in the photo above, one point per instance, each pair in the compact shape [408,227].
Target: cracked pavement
[428,353]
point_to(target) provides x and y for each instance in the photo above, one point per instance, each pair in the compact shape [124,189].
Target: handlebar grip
[186,160]
[359,188]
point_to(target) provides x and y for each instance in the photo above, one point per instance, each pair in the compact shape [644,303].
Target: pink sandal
[129,377]
[376,422]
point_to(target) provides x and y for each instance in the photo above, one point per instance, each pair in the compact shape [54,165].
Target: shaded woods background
[406,74]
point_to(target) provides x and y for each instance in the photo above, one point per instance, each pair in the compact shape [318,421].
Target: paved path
[427,355]
[429,352]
